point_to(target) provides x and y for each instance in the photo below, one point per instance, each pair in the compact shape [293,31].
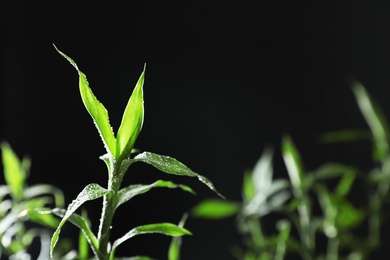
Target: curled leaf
[83,225]
[90,192]
[170,165]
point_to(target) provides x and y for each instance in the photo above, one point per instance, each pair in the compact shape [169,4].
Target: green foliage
[17,203]
[293,201]
[215,209]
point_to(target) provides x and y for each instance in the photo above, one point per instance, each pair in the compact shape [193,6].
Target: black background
[223,80]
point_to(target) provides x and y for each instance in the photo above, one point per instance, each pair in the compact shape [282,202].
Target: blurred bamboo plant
[18,229]
[341,229]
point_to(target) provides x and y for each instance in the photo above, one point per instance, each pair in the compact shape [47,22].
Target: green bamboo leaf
[174,249]
[109,161]
[267,193]
[83,246]
[96,109]
[175,245]
[85,240]
[347,135]
[293,163]
[215,209]
[90,192]
[374,118]
[263,171]
[348,216]
[132,120]
[170,165]
[168,229]
[345,184]
[284,228]
[328,204]
[248,187]
[129,192]
[83,224]
[268,199]
[14,173]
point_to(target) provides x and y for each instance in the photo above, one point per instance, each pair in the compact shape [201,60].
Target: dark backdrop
[223,80]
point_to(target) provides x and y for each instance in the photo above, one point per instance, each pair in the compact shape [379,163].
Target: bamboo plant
[120,155]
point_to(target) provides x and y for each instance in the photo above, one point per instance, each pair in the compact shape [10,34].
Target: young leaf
[96,109]
[14,174]
[129,192]
[132,120]
[109,161]
[83,247]
[90,192]
[263,171]
[328,204]
[174,247]
[374,118]
[345,184]
[170,165]
[293,163]
[215,209]
[268,199]
[284,228]
[168,229]
[85,237]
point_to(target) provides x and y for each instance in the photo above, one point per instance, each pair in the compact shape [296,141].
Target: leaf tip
[72,62]
[53,242]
